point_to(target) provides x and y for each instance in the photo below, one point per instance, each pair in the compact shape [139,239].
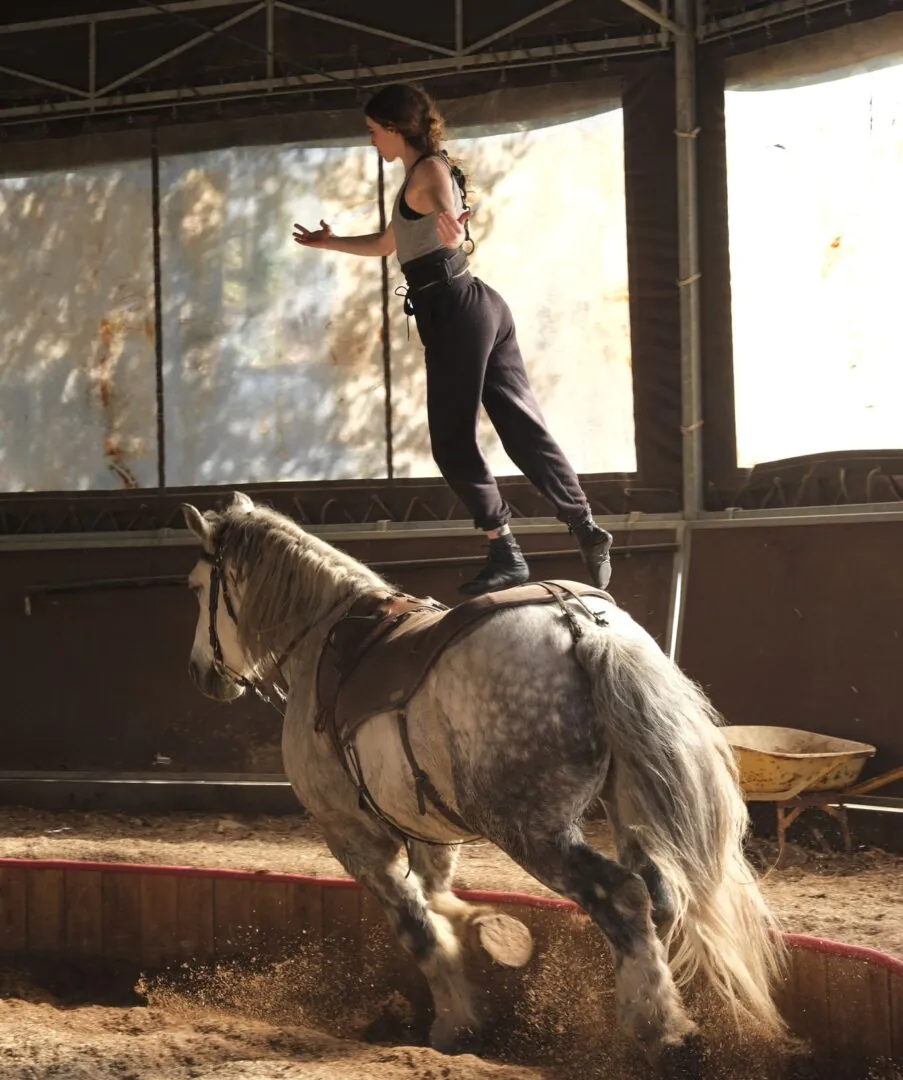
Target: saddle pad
[377,655]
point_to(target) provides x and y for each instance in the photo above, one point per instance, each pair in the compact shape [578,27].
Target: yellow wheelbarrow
[797,769]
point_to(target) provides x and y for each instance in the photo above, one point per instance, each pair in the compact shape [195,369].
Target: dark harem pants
[472,357]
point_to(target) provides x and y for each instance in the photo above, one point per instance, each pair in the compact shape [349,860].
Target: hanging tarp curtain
[273,365]
[506,108]
[646,94]
[850,49]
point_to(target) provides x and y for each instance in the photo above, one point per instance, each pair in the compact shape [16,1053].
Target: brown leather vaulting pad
[372,665]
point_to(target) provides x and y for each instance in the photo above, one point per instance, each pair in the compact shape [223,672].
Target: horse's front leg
[504,938]
[377,861]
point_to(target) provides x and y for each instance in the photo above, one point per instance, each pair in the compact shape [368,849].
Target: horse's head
[218,665]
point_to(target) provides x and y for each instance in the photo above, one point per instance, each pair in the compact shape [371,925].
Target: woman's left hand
[451,229]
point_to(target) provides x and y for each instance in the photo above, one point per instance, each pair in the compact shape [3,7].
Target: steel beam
[664,9]
[511,27]
[773,13]
[398,530]
[92,59]
[16,74]
[350,24]
[800,515]
[313,81]
[179,49]
[116,16]
[334,534]
[271,39]
[408,530]
[656,16]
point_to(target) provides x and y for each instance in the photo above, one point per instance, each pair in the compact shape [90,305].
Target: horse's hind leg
[649,1006]
[435,865]
[632,855]
[379,864]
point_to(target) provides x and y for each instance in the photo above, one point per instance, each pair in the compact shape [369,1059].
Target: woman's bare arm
[371,244]
[431,191]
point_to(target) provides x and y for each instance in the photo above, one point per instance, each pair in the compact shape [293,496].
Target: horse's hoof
[681,1060]
[505,938]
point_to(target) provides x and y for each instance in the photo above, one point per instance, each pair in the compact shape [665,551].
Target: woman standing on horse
[467,330]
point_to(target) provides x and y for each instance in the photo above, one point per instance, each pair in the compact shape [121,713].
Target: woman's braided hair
[409,110]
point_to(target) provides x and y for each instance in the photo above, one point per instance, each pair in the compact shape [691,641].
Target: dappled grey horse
[517,726]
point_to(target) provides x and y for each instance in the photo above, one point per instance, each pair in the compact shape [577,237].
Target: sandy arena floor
[258,1028]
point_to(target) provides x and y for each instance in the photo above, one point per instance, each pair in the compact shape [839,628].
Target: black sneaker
[595,544]
[506,566]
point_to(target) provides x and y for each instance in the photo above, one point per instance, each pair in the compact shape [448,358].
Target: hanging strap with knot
[459,178]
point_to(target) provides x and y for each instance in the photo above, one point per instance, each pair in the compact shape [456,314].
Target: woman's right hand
[321,238]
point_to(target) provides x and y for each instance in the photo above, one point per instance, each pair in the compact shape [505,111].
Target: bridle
[219,583]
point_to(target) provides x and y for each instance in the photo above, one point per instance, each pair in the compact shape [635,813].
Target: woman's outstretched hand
[318,239]
[451,229]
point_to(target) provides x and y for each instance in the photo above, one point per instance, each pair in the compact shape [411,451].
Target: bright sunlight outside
[815,176]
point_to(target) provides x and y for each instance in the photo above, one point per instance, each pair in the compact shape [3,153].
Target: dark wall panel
[802,626]
[719,433]
[98,680]
[650,162]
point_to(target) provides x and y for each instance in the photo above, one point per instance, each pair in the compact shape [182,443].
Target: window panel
[77,367]
[273,358]
[814,179]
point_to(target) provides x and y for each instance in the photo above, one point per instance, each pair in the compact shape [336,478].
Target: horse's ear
[240,501]
[198,524]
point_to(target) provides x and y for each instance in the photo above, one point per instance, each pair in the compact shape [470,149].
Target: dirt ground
[856,899]
[41,1039]
[262,1033]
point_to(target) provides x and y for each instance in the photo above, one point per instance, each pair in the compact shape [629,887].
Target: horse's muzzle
[212,683]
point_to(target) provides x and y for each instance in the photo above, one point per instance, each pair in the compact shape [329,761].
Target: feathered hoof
[681,1060]
[504,938]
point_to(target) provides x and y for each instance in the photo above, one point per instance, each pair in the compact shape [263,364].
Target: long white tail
[676,784]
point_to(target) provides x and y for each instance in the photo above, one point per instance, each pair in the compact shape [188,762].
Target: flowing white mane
[289,579]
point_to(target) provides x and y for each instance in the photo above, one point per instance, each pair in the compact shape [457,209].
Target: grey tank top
[415,234]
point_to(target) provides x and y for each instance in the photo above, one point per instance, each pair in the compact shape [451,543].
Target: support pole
[385,330]
[689,270]
[158,310]
[271,39]
[92,61]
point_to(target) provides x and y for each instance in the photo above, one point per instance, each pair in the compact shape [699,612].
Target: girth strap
[422,783]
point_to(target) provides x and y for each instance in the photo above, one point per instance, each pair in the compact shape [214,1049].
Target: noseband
[219,583]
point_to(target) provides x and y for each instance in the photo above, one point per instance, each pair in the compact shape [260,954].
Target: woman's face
[386,140]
